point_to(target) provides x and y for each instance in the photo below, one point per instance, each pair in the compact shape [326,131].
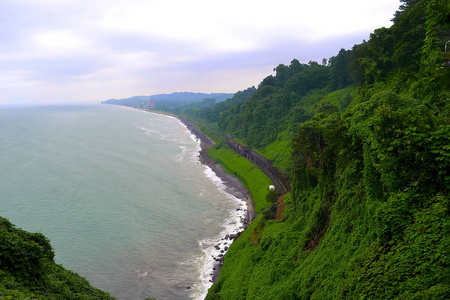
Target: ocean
[120,193]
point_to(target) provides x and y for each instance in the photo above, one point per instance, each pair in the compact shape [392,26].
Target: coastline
[233,186]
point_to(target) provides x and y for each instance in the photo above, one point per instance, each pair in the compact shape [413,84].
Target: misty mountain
[172,100]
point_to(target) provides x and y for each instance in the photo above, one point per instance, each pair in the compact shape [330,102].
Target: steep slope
[28,270]
[369,214]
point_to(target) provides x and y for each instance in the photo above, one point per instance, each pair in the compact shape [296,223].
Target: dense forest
[365,140]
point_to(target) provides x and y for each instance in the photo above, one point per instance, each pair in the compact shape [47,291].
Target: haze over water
[120,194]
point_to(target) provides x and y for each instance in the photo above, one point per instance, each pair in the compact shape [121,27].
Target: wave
[214,249]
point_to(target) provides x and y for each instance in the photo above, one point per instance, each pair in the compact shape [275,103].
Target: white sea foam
[156,133]
[213,249]
[182,155]
[148,131]
[193,155]
[116,186]
[140,274]
[216,247]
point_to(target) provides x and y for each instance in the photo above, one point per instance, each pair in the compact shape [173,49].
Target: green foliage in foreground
[253,178]
[28,271]
[271,260]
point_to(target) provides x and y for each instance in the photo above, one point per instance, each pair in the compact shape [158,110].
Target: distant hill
[169,100]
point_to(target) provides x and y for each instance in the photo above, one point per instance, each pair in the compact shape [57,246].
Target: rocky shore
[233,187]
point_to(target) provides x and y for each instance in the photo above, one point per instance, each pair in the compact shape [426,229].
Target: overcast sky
[89,50]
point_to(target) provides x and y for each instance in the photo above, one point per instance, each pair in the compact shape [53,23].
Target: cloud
[77,50]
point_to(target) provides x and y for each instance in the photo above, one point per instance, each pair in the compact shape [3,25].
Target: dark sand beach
[233,185]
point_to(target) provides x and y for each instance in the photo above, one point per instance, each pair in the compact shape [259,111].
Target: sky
[93,50]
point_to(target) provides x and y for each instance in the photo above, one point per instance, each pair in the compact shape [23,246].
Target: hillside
[365,140]
[28,269]
[170,101]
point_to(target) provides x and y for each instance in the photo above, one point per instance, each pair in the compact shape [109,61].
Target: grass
[279,152]
[252,177]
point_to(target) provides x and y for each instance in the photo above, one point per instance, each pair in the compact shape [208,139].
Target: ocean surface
[119,192]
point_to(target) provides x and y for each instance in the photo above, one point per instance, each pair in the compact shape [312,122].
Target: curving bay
[119,192]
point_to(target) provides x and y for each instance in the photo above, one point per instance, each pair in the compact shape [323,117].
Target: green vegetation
[252,177]
[28,270]
[279,151]
[365,140]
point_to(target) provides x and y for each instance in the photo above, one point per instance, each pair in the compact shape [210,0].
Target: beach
[232,186]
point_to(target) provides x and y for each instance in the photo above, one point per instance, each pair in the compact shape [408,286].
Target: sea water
[119,192]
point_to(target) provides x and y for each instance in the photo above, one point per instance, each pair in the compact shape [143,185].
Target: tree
[339,69]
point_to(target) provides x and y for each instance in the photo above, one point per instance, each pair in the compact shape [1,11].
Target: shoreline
[233,186]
